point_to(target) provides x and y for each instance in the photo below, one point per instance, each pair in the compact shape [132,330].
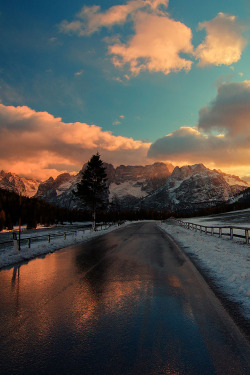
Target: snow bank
[9,257]
[227,261]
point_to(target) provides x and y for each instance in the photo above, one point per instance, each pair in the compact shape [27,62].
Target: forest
[33,211]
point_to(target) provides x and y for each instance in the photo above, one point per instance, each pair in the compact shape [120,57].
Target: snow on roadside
[227,261]
[9,257]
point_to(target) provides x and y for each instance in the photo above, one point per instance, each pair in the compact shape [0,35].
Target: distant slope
[20,185]
[191,188]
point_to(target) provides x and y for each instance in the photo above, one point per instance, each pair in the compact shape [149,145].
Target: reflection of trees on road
[15,282]
[108,283]
[92,263]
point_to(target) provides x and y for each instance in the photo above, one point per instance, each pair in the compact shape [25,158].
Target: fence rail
[230,231]
[28,240]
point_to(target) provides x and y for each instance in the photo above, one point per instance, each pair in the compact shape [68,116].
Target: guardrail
[28,240]
[230,231]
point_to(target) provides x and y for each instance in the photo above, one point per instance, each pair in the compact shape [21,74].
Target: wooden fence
[229,231]
[47,237]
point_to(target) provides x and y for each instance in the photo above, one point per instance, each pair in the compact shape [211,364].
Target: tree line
[34,211]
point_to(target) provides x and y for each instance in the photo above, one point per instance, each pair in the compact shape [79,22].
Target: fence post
[188,226]
[205,230]
[247,236]
[231,233]
[212,231]
[49,238]
[29,241]
[15,243]
[220,232]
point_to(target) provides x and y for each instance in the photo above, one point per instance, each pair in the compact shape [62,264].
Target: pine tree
[93,189]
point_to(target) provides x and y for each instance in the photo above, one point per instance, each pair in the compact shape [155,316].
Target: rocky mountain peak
[62,178]
[19,185]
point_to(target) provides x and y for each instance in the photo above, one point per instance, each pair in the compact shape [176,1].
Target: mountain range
[159,186]
[19,185]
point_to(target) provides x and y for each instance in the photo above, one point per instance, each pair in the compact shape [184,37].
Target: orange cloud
[36,144]
[222,138]
[224,42]
[90,19]
[159,41]
[156,45]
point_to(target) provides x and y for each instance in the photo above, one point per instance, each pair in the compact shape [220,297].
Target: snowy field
[235,218]
[226,261]
[41,246]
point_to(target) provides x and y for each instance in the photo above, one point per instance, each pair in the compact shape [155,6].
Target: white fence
[229,231]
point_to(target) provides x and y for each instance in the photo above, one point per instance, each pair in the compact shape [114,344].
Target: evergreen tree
[93,188]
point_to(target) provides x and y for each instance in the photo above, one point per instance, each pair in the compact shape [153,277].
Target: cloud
[229,112]
[31,143]
[91,19]
[224,42]
[159,42]
[185,144]
[222,138]
[52,39]
[116,122]
[246,178]
[79,73]
[156,46]
[155,4]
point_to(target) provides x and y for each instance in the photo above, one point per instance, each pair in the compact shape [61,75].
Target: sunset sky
[139,81]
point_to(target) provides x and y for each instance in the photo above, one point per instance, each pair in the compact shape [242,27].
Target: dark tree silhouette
[93,188]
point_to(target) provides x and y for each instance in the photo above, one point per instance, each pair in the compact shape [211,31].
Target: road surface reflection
[125,303]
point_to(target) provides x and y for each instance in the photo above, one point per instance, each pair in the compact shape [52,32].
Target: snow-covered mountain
[127,184]
[194,187]
[59,191]
[159,186]
[20,185]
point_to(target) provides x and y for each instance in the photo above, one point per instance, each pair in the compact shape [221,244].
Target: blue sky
[53,60]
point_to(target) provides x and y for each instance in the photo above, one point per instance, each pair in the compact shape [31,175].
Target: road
[128,302]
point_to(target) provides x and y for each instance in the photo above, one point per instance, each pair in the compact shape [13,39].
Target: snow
[31,187]
[64,187]
[127,188]
[9,256]
[226,261]
[231,180]
[239,218]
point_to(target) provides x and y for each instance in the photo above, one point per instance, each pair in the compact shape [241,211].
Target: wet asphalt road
[129,302]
